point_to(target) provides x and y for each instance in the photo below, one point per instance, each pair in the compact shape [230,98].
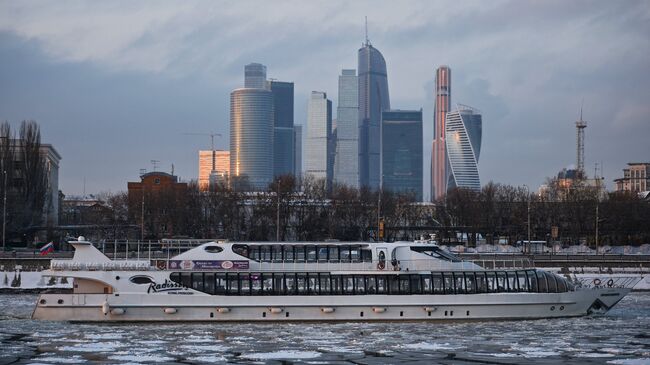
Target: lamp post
[528,213]
[4,210]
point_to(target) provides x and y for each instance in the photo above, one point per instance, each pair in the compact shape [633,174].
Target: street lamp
[4,210]
[528,212]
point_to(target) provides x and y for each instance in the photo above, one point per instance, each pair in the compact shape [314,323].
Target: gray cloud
[115,84]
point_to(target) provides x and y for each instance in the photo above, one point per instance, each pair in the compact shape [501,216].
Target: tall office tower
[297,143]
[319,133]
[373,99]
[463,131]
[401,152]
[214,167]
[346,162]
[255,76]
[283,145]
[251,138]
[439,161]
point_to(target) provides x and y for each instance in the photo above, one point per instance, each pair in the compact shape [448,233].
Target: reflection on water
[620,337]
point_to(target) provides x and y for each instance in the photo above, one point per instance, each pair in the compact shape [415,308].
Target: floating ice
[284,354]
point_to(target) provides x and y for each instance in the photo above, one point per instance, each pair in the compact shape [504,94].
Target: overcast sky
[114,85]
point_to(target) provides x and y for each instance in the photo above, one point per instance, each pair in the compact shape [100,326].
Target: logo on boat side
[165,287]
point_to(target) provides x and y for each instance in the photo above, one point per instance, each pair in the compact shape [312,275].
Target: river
[622,336]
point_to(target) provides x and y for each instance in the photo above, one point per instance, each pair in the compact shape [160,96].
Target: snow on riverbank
[31,280]
[558,249]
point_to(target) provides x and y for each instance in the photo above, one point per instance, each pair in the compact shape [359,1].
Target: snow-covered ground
[575,249]
[31,280]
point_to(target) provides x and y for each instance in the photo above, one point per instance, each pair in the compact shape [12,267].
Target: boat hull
[161,307]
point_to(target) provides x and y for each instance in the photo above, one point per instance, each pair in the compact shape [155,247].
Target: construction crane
[580,129]
[214,155]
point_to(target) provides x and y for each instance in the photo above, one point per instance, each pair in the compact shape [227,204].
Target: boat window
[213,249]
[481,286]
[470,282]
[255,253]
[355,255]
[502,282]
[459,282]
[522,281]
[197,281]
[290,283]
[360,284]
[381,284]
[348,284]
[288,253]
[301,283]
[437,283]
[175,277]
[325,285]
[448,281]
[266,253]
[552,284]
[233,283]
[278,284]
[562,285]
[404,287]
[208,280]
[141,279]
[277,253]
[334,254]
[491,281]
[186,279]
[322,254]
[435,252]
[345,253]
[299,254]
[393,284]
[532,280]
[220,284]
[313,284]
[241,250]
[244,284]
[311,253]
[371,284]
[512,281]
[256,283]
[337,288]
[542,283]
[267,284]
[426,284]
[366,255]
[416,284]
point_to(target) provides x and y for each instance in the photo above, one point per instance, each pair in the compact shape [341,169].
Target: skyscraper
[373,99]
[251,138]
[297,143]
[221,160]
[401,151]
[346,163]
[283,144]
[318,161]
[439,161]
[463,132]
[255,76]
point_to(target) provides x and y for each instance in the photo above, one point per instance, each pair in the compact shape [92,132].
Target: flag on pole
[47,249]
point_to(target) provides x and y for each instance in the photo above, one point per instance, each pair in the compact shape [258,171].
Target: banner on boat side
[207,265]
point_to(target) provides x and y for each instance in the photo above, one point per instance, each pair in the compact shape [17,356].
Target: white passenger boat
[328,281]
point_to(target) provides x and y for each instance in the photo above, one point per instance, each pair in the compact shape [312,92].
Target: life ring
[610,283]
[381,265]
[597,282]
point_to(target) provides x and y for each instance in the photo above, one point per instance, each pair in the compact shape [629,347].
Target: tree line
[312,212]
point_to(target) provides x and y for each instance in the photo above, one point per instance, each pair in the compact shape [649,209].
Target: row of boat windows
[306,253]
[402,284]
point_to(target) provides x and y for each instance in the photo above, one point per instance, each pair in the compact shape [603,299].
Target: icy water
[620,337]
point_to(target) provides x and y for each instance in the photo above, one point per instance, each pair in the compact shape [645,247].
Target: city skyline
[146,86]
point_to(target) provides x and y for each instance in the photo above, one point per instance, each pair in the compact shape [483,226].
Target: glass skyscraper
[255,76]
[463,132]
[346,164]
[401,152]
[373,100]
[318,160]
[283,144]
[251,138]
